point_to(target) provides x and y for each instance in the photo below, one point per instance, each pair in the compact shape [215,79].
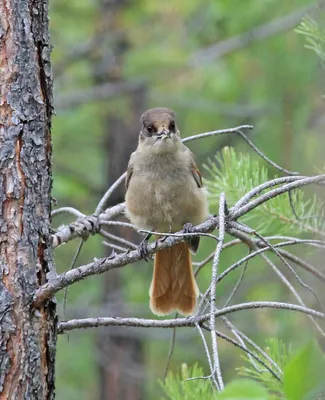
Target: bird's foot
[193,241]
[188,228]
[143,248]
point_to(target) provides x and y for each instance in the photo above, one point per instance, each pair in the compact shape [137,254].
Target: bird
[164,193]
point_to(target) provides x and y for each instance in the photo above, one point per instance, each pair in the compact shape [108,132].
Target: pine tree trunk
[27,335]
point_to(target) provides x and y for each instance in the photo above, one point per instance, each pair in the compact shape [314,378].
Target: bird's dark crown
[156,118]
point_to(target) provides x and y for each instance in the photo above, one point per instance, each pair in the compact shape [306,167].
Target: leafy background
[164,47]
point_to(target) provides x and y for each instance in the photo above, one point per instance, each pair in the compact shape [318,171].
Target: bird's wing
[129,173]
[196,173]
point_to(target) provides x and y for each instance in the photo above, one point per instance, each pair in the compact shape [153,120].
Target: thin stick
[266,185]
[171,351]
[235,213]
[115,246]
[240,280]
[292,290]
[118,223]
[303,264]
[101,205]
[84,323]
[69,210]
[239,333]
[261,154]
[294,273]
[207,352]
[125,242]
[74,260]
[217,132]
[216,363]
[165,234]
[206,348]
[292,205]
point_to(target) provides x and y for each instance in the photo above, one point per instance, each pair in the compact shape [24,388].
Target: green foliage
[177,387]
[280,353]
[315,36]
[304,374]
[243,390]
[271,83]
[237,173]
[303,377]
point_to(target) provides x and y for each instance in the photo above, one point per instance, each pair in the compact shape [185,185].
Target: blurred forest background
[218,64]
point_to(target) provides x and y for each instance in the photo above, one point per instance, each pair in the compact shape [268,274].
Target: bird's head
[159,130]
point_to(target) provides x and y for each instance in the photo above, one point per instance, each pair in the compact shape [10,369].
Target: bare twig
[74,260]
[102,265]
[253,344]
[103,202]
[127,243]
[118,223]
[215,264]
[171,351]
[236,212]
[183,234]
[303,284]
[240,280]
[248,352]
[206,349]
[292,205]
[66,326]
[303,264]
[292,290]
[68,210]
[115,246]
[217,132]
[118,261]
[266,185]
[261,154]
[85,225]
[249,256]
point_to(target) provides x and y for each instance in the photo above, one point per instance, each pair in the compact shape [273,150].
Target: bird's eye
[172,126]
[150,128]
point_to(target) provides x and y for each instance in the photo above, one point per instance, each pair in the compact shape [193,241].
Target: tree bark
[27,335]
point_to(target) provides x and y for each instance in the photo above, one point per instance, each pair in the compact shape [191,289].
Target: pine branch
[243,178]
[84,323]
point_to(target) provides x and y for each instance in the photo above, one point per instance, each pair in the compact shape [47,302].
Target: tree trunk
[27,335]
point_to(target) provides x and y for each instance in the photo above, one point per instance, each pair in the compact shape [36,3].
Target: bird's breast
[163,196]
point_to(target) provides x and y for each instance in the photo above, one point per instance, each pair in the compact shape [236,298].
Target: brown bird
[164,193]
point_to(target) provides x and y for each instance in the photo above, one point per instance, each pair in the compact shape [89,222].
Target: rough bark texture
[27,335]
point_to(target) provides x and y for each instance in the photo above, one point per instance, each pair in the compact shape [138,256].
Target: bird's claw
[143,249]
[188,228]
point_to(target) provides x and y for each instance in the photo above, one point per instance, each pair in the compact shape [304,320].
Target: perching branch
[66,326]
[227,223]
[104,264]
[222,221]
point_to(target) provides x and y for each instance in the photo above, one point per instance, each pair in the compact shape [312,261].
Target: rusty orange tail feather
[173,286]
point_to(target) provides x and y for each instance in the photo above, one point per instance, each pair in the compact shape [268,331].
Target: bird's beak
[163,132]
[161,135]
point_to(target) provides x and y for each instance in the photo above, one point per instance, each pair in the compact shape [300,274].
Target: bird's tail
[173,286]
